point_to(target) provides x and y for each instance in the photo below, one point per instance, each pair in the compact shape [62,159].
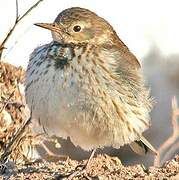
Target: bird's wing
[127,56]
[118,50]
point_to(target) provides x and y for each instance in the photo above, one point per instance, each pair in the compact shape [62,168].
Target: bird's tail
[142,146]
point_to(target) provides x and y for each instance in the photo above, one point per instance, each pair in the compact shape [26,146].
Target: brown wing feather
[129,57]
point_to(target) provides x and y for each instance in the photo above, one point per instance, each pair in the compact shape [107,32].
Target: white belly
[62,108]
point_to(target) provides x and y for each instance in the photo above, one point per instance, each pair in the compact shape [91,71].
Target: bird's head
[78,25]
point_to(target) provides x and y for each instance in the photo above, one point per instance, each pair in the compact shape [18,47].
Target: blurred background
[149,28]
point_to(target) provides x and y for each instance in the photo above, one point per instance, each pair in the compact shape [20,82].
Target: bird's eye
[77,28]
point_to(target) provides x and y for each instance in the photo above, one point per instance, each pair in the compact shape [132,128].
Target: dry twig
[14,141]
[17,21]
[7,101]
[172,140]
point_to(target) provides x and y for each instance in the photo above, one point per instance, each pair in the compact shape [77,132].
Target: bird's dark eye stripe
[77,28]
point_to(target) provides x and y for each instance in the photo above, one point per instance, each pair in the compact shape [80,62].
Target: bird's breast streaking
[86,84]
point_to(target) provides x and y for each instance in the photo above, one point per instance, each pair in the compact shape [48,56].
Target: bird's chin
[58,38]
[61,41]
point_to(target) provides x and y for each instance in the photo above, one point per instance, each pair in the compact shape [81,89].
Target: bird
[87,85]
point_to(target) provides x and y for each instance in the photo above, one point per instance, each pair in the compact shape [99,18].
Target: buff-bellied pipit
[87,85]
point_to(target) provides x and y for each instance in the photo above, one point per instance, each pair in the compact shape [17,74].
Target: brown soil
[101,167]
[13,115]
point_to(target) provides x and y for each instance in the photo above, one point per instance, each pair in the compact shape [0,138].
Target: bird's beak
[51,26]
